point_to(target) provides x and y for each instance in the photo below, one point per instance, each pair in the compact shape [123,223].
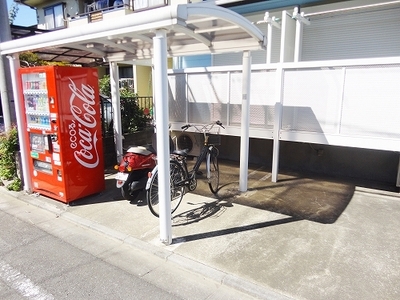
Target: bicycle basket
[214,139]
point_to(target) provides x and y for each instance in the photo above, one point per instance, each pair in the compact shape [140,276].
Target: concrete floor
[300,238]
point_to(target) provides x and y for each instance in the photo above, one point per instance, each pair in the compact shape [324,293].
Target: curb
[223,278]
[368,191]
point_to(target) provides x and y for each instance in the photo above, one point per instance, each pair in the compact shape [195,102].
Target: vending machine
[63,130]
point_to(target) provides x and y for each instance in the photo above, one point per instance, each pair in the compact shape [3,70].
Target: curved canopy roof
[191,29]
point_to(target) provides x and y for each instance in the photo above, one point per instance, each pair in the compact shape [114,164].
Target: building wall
[349,109]
[364,167]
[336,33]
[143,80]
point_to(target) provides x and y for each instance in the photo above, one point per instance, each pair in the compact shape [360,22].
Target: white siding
[353,35]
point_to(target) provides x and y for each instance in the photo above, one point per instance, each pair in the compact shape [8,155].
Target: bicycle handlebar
[184,127]
[211,125]
[220,124]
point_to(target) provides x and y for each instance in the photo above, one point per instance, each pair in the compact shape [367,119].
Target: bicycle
[181,179]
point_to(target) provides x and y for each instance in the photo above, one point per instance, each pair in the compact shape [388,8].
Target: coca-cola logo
[83,140]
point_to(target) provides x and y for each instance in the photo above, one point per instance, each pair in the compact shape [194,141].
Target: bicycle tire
[213,170]
[177,174]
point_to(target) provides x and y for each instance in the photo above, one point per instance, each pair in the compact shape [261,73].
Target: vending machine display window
[36,100]
[39,142]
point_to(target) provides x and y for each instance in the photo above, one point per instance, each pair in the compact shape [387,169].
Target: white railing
[352,103]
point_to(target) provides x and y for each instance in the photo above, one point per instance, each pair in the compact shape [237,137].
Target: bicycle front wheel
[177,189]
[213,170]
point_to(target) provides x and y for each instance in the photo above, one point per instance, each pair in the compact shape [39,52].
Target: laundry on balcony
[118,3]
[101,4]
[96,5]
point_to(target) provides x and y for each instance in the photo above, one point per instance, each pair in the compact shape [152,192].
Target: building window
[54,16]
[146,4]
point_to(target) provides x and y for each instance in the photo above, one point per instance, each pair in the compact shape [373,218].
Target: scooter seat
[183,152]
[139,150]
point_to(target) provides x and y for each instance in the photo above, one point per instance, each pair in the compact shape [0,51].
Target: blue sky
[25,17]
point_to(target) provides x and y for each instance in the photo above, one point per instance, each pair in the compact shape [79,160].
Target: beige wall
[143,80]
[101,71]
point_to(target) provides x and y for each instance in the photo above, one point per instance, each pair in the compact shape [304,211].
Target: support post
[271,23]
[287,37]
[21,123]
[277,124]
[398,174]
[5,72]
[269,45]
[244,137]
[4,93]
[298,40]
[300,20]
[116,104]
[162,134]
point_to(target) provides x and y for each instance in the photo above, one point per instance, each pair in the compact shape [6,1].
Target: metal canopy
[177,30]
[191,29]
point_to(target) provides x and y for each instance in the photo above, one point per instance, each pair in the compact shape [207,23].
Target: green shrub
[132,116]
[8,167]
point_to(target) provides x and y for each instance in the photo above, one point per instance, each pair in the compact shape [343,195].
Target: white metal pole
[298,40]
[116,104]
[282,53]
[277,124]
[5,73]
[21,124]
[4,92]
[269,45]
[244,137]
[398,174]
[163,155]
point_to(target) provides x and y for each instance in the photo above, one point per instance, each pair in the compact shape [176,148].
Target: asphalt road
[46,257]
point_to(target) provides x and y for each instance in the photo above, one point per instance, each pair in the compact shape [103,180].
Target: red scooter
[134,167]
[133,170]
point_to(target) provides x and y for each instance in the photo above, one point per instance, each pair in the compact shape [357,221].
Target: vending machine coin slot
[59,175]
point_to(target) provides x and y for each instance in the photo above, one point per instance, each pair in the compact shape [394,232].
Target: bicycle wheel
[213,170]
[177,175]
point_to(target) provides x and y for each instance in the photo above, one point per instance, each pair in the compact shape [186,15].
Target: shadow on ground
[110,193]
[316,199]
[311,198]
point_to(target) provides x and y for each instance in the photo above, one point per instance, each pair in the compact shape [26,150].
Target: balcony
[101,10]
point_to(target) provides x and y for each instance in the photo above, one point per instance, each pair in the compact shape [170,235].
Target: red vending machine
[62,109]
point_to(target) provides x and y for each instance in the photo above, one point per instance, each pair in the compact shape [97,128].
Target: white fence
[352,103]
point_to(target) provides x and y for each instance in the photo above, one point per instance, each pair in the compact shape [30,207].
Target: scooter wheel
[128,194]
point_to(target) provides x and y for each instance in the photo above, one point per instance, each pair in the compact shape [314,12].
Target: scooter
[134,167]
[133,170]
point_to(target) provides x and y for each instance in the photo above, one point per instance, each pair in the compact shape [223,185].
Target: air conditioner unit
[188,140]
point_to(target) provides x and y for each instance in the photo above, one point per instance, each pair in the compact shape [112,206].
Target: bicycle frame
[183,180]
[206,149]
[202,157]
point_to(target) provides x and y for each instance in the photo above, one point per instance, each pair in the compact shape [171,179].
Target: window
[145,4]
[54,16]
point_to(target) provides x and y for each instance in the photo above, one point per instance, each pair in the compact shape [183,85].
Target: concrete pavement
[300,238]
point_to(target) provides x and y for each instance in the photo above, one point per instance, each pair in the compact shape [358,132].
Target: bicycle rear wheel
[177,175]
[213,170]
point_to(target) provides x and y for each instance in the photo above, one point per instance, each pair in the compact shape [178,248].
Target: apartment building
[324,94]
